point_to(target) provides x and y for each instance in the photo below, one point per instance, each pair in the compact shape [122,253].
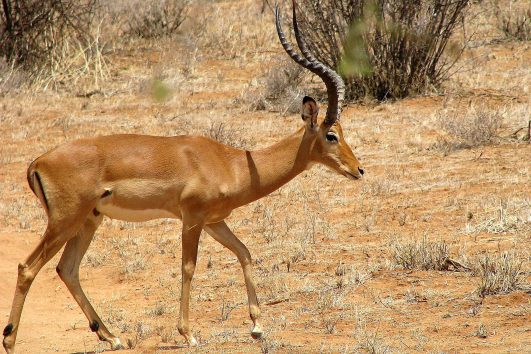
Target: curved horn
[300,41]
[335,86]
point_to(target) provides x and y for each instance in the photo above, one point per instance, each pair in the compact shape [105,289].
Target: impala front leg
[190,242]
[221,233]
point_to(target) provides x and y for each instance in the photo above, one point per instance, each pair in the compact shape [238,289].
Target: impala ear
[310,109]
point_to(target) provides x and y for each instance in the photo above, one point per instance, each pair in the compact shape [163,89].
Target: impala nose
[361,170]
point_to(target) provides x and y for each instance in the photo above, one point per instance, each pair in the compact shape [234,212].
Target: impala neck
[268,169]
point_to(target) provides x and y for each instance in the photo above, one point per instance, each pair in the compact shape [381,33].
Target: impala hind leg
[68,270]
[190,242]
[53,240]
[221,233]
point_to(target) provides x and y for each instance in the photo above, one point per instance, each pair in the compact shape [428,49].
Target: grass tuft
[468,129]
[424,255]
[500,274]
[514,20]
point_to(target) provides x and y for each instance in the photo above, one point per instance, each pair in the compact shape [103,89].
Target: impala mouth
[351,175]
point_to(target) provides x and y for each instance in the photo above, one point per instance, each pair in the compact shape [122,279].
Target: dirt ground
[324,248]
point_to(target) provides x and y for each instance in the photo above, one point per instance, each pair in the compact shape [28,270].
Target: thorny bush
[35,34]
[384,49]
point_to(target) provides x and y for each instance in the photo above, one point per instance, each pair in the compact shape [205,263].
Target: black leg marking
[106,194]
[94,326]
[95,212]
[8,330]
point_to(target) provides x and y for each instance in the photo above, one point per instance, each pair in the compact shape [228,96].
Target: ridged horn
[335,87]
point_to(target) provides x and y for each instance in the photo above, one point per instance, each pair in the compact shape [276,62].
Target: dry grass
[473,127]
[57,44]
[142,331]
[279,89]
[154,19]
[370,341]
[500,215]
[231,136]
[500,274]
[230,31]
[482,331]
[514,19]
[424,255]
[11,77]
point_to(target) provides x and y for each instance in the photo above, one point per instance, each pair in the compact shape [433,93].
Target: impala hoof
[8,349]
[257,332]
[8,345]
[116,344]
[192,342]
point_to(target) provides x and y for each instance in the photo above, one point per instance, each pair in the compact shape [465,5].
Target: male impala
[195,179]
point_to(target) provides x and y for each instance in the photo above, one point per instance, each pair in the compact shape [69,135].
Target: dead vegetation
[473,127]
[385,49]
[53,41]
[514,19]
[154,19]
[279,88]
[500,216]
[500,274]
[424,255]
[232,136]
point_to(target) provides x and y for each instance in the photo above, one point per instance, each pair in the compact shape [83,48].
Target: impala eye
[332,137]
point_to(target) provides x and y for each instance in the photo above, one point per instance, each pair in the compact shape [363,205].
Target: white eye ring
[332,137]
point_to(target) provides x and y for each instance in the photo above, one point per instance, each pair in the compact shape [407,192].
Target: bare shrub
[161,308]
[482,332]
[514,20]
[226,309]
[500,215]
[469,128]
[268,345]
[11,77]
[241,32]
[424,255]
[279,86]
[142,331]
[330,322]
[230,136]
[384,48]
[500,274]
[370,341]
[156,19]
[54,41]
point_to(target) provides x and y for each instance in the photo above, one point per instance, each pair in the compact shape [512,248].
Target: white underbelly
[116,212]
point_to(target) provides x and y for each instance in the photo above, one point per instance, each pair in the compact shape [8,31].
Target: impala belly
[136,200]
[116,212]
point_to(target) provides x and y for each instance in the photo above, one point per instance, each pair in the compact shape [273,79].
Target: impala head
[330,148]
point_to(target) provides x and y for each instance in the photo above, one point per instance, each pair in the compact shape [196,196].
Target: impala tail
[35,183]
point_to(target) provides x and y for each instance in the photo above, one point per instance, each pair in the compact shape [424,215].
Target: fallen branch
[274,302]
[455,264]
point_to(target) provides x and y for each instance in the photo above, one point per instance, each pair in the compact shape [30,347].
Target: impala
[192,178]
